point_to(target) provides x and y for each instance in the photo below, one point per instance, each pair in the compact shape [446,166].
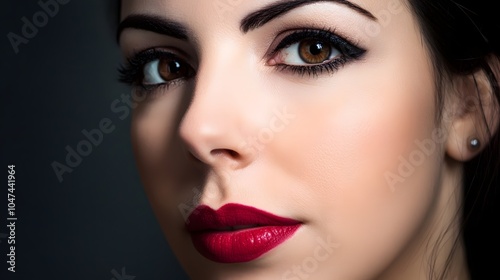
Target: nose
[221,116]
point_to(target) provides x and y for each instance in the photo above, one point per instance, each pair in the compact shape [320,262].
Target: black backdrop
[58,78]
[58,81]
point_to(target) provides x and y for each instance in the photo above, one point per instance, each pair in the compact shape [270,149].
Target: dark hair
[462,37]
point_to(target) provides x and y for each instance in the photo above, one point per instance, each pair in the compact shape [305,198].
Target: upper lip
[233,217]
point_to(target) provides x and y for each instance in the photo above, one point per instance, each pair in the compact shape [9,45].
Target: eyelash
[132,72]
[348,51]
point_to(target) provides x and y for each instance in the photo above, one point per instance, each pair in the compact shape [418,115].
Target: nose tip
[221,158]
[214,143]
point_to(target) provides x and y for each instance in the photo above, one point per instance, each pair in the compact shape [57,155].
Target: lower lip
[242,245]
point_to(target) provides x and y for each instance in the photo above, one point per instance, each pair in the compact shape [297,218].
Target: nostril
[220,152]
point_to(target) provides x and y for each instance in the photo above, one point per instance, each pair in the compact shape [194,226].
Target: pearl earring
[474,143]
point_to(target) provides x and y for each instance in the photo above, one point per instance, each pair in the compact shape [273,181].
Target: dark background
[97,220]
[96,223]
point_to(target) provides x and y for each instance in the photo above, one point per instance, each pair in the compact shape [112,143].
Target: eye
[313,52]
[153,68]
[164,70]
[309,51]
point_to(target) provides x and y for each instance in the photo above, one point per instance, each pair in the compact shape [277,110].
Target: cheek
[169,181]
[151,133]
[359,133]
[159,155]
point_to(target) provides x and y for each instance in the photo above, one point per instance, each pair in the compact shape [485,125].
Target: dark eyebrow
[274,10]
[155,24]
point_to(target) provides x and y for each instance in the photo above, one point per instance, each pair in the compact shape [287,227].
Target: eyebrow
[155,24]
[254,20]
[275,10]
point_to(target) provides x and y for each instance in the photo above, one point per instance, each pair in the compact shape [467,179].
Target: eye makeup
[133,72]
[311,42]
[320,40]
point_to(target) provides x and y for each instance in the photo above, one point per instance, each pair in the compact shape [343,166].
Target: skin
[328,164]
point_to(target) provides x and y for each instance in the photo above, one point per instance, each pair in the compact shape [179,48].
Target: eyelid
[348,51]
[164,51]
[279,37]
[132,72]
[288,38]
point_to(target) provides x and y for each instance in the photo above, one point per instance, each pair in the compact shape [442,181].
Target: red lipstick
[237,233]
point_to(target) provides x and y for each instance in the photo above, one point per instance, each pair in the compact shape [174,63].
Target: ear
[476,115]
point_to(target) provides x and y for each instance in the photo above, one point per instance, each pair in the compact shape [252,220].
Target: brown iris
[170,69]
[314,51]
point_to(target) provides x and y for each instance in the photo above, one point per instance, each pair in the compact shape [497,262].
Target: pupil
[174,67]
[316,48]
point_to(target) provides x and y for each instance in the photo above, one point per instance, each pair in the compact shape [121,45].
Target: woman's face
[319,113]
